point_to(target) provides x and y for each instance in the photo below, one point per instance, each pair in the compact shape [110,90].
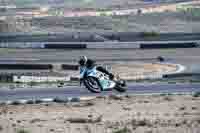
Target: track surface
[187,57]
[6,95]
[88,37]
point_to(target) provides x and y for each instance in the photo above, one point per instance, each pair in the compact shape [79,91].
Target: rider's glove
[111,76]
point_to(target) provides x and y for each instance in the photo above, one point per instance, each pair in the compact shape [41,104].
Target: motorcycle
[96,81]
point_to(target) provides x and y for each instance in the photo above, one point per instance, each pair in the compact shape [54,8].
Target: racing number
[109,83]
[99,75]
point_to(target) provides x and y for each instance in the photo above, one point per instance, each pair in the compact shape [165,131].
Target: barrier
[65,46]
[150,36]
[70,67]
[102,45]
[74,79]
[176,75]
[47,100]
[113,45]
[168,45]
[26,66]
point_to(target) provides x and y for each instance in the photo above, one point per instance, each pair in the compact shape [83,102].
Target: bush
[149,34]
[59,100]
[1,128]
[22,131]
[167,98]
[38,101]
[30,102]
[15,103]
[32,83]
[143,123]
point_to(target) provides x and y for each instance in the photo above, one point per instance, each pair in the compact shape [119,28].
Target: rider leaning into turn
[89,64]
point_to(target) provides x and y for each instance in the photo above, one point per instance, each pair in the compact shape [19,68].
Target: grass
[22,131]
[192,14]
[8,50]
[196,94]
[166,94]
[123,130]
[163,94]
[169,50]
[32,83]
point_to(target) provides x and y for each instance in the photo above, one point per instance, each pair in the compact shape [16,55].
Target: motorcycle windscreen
[107,84]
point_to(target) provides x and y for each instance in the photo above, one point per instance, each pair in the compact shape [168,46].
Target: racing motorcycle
[97,81]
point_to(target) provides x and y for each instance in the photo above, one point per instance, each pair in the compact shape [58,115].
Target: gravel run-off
[139,114]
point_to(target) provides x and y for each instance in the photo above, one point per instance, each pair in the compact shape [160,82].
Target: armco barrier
[26,66]
[74,78]
[102,45]
[113,45]
[168,45]
[176,75]
[65,46]
[70,67]
[150,36]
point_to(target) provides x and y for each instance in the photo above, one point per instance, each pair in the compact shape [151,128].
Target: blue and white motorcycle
[96,81]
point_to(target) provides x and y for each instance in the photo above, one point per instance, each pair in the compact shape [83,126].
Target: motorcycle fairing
[103,79]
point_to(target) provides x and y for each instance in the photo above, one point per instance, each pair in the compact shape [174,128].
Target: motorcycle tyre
[90,88]
[120,88]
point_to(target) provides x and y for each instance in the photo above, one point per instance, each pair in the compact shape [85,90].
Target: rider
[89,64]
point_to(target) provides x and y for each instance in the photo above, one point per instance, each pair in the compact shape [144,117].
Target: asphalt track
[187,57]
[97,37]
[190,57]
[75,92]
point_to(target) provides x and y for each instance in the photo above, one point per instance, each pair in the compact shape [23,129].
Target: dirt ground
[110,114]
[167,21]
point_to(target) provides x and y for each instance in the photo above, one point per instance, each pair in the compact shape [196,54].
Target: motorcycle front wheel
[92,84]
[121,86]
